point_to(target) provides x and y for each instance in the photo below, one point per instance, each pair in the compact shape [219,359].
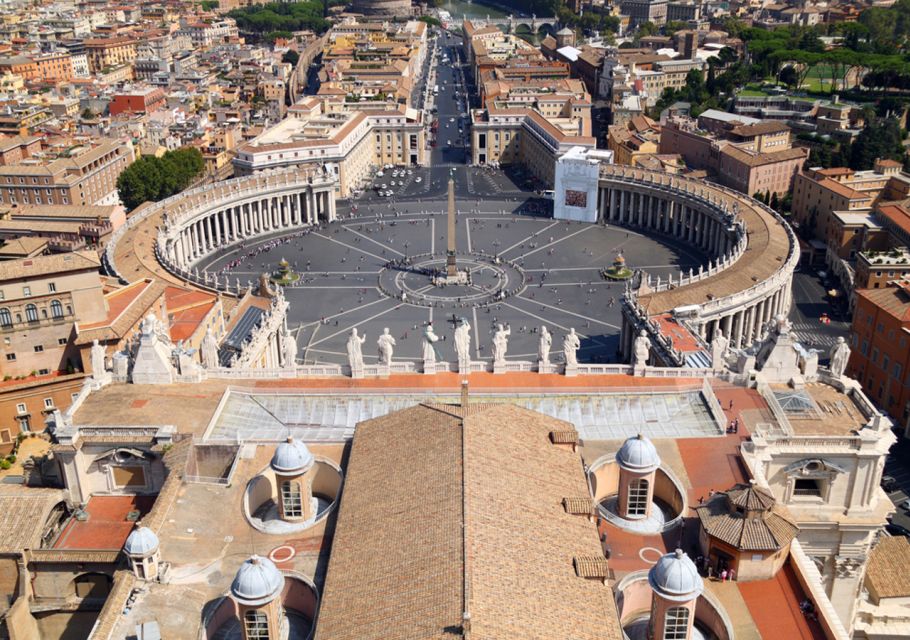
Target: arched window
[638,498]
[31,313]
[291,501]
[676,624]
[257,625]
[6,319]
[56,309]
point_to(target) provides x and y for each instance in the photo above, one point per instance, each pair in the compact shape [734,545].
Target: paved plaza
[351,276]
[332,418]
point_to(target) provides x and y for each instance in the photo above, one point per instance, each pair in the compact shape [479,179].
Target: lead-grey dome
[292,458]
[675,578]
[141,542]
[257,581]
[638,454]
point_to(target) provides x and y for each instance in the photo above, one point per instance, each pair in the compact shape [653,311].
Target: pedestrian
[723,575]
[732,574]
[731,405]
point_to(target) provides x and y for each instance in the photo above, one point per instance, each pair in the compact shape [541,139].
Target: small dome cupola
[258,581]
[676,578]
[142,542]
[292,458]
[639,455]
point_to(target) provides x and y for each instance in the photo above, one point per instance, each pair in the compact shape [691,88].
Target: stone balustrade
[203,220]
[752,255]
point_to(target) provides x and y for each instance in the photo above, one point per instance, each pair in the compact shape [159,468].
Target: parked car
[889,484]
[897,530]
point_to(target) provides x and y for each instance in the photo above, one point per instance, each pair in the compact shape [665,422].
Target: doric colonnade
[242,209]
[752,254]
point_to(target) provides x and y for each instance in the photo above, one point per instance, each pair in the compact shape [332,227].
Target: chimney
[464,394]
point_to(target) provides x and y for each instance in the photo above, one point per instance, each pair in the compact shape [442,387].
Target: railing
[702,193]
[156,208]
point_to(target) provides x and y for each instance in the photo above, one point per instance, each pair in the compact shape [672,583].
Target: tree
[789,77]
[151,179]
[879,139]
[291,56]
[647,29]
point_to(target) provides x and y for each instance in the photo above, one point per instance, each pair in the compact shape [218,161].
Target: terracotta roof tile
[887,569]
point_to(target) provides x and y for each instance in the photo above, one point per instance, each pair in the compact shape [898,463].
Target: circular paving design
[371,273]
[417,281]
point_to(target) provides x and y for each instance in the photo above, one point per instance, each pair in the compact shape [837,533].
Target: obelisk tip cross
[451,271]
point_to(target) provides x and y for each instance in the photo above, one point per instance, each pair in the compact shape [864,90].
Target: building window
[62,341]
[20,408]
[52,287]
[31,313]
[39,348]
[6,320]
[257,625]
[48,403]
[291,501]
[56,309]
[26,291]
[807,487]
[676,623]
[10,357]
[24,424]
[638,498]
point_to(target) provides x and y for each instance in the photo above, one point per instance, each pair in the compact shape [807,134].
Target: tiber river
[461,8]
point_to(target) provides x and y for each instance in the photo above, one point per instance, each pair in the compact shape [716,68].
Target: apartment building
[344,140]
[86,175]
[40,300]
[819,193]
[736,163]
[633,139]
[104,53]
[56,66]
[643,72]
[65,228]
[204,34]
[144,100]
[876,268]
[880,358]
[525,137]
[641,11]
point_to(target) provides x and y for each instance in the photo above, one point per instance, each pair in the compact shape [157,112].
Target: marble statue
[386,347]
[641,349]
[429,345]
[149,326]
[289,343]
[355,355]
[97,356]
[783,325]
[839,355]
[543,346]
[570,346]
[209,350]
[463,345]
[501,343]
[718,349]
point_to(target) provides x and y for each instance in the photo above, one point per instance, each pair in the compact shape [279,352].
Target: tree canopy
[268,18]
[151,179]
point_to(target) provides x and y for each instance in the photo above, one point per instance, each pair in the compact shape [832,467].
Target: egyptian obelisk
[451,271]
